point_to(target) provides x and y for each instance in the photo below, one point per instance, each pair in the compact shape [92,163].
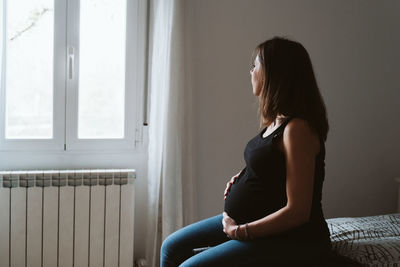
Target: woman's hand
[229,225]
[230,183]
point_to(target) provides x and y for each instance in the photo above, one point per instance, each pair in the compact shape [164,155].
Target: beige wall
[354,46]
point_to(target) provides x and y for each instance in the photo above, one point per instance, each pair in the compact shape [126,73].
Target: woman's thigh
[264,252]
[179,246]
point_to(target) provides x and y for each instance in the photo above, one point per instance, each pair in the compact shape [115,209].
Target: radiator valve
[141,263]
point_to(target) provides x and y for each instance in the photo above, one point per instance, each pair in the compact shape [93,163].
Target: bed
[368,241]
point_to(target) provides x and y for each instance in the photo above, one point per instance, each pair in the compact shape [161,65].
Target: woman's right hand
[230,183]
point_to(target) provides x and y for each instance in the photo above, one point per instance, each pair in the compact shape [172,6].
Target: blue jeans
[177,249]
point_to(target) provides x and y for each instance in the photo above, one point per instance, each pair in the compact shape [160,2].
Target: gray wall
[354,46]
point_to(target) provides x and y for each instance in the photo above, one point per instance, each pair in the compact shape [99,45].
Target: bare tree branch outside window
[36,16]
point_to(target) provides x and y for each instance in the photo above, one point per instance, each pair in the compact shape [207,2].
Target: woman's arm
[300,145]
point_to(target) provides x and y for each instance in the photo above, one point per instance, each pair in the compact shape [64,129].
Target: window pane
[29,69]
[102,69]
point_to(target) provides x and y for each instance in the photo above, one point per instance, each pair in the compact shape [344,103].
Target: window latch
[70,62]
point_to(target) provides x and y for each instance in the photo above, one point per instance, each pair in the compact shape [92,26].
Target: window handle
[71,62]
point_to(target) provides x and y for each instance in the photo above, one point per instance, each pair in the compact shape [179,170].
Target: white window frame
[65,91]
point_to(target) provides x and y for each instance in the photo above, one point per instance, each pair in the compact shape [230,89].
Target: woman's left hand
[229,225]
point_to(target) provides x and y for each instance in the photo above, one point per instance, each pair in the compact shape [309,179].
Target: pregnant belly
[247,202]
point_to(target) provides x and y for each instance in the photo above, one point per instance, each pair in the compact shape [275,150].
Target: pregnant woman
[273,214]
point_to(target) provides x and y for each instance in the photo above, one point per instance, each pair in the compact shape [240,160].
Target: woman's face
[256,76]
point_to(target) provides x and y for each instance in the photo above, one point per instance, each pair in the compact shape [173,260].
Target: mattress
[371,241]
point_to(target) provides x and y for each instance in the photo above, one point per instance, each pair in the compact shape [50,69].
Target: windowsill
[74,159]
[139,149]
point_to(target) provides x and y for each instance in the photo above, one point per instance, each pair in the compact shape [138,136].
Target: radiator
[67,218]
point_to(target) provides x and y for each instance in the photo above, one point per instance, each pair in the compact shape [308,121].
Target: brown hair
[289,86]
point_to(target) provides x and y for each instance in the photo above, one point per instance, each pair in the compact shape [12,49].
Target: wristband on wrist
[246,228]
[236,230]
[246,232]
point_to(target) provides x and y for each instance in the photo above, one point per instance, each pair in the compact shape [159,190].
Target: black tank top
[261,187]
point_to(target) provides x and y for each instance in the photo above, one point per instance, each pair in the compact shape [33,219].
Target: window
[71,74]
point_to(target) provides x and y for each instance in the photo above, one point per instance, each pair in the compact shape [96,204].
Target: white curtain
[168,146]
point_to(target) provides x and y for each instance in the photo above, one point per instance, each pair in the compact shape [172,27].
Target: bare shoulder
[298,134]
